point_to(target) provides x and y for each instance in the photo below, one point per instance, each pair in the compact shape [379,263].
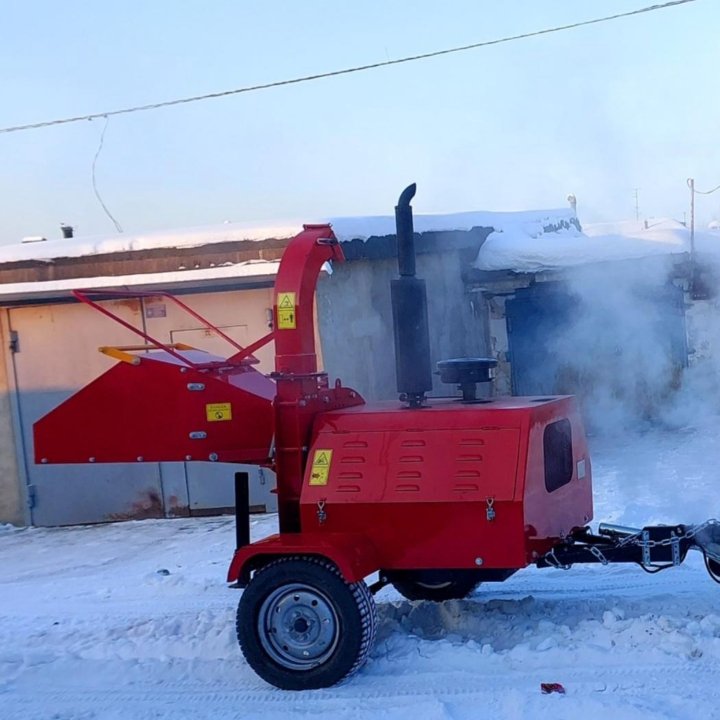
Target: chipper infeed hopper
[434,495]
[163,402]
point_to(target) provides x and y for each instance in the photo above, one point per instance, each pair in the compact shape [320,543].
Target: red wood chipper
[431,495]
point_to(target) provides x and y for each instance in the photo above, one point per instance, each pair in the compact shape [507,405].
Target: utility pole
[637,205]
[693,191]
[691,185]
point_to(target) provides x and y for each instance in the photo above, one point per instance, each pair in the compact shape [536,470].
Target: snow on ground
[133,621]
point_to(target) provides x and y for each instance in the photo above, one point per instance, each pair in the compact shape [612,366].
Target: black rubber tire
[353,605]
[454,588]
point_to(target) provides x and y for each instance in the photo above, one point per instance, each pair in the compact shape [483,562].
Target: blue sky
[596,111]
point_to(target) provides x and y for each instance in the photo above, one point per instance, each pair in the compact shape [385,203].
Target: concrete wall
[703,326]
[12,507]
[497,329]
[355,319]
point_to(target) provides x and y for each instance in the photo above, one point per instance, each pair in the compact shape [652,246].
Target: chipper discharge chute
[434,495]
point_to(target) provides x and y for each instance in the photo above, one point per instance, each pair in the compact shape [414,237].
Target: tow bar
[653,548]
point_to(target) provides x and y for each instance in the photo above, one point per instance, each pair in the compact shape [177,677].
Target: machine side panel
[424,498]
[160,411]
[553,512]
[450,535]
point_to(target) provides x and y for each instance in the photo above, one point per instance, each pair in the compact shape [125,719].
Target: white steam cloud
[621,352]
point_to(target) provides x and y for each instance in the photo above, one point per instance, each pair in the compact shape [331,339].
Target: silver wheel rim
[298,626]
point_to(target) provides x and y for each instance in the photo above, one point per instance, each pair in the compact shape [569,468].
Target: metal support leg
[242,509]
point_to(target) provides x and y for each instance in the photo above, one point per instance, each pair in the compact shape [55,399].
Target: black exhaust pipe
[405,232]
[410,318]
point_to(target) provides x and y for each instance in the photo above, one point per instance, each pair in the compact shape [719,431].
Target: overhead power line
[117,225]
[695,191]
[346,71]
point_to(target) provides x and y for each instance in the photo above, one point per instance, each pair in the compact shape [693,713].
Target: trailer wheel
[451,587]
[301,626]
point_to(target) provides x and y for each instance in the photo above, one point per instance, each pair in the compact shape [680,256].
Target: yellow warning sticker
[286,300]
[286,316]
[218,411]
[321,467]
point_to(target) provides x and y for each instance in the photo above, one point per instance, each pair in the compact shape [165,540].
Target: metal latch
[490,511]
[321,514]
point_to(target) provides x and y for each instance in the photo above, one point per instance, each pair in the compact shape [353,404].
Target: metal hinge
[14,343]
[31,496]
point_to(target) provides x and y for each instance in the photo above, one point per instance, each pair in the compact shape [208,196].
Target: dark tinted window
[557,448]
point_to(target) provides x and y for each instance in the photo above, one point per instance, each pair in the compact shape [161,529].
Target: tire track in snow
[683,677]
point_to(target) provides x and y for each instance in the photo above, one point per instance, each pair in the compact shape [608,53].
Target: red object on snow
[548,688]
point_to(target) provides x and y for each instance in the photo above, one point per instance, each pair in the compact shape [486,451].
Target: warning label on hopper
[320,470]
[217,412]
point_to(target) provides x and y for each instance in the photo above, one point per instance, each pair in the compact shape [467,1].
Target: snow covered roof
[255,269]
[100,245]
[518,248]
[350,228]
[345,228]
[526,241]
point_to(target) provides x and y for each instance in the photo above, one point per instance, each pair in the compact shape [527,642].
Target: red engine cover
[452,485]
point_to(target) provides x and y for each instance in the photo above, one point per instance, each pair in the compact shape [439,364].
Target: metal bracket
[646,548]
[675,545]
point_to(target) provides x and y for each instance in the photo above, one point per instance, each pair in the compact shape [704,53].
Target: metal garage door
[56,354]
[534,318]
[49,366]
[563,342]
